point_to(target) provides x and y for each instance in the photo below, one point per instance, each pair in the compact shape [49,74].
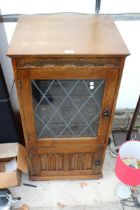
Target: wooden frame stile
[18,88]
[120,72]
[28,118]
[18,83]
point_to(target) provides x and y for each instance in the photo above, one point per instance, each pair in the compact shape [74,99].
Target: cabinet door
[67,108]
[52,163]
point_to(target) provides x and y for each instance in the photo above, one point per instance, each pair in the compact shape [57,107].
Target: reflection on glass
[67,108]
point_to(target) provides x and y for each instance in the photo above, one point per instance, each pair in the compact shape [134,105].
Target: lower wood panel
[69,164]
[52,162]
[73,161]
[66,177]
[81,161]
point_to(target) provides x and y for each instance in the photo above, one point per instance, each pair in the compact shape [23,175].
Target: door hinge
[20,84]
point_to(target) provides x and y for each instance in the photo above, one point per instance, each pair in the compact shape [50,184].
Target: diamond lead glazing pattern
[67,108]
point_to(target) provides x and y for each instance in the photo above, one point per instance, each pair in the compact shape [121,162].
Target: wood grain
[33,63]
[67,177]
[66,34]
[95,50]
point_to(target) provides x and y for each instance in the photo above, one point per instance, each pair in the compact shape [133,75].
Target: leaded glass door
[67,108]
[67,116]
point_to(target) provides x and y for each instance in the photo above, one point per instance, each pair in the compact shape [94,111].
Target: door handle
[97,163]
[106,113]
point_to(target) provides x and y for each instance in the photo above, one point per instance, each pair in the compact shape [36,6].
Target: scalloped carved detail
[77,61]
[81,161]
[52,162]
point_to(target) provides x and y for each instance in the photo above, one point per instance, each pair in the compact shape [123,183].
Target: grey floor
[73,195]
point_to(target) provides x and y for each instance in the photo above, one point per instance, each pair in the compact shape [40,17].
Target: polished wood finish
[66,34]
[67,47]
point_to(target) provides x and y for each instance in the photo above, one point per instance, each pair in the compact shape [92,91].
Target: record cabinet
[68,70]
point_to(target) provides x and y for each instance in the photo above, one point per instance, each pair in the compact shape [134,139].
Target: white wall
[130,85]
[120,6]
[46,6]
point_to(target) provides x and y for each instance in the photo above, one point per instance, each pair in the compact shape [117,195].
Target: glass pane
[67,108]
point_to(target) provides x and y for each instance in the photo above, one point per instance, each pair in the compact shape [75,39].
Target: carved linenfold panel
[65,61]
[81,161]
[52,162]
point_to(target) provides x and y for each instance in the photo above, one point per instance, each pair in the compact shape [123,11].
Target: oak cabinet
[67,70]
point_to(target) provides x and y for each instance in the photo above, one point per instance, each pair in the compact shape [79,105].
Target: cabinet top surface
[51,35]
